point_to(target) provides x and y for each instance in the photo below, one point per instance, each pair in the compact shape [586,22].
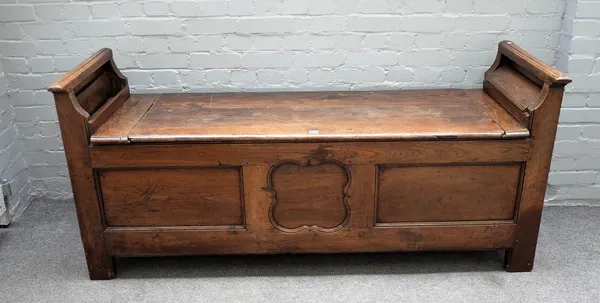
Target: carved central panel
[310,195]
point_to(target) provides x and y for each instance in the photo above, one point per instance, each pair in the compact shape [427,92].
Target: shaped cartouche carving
[309,195]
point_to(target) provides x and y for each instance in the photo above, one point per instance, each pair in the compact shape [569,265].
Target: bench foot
[104,271]
[518,262]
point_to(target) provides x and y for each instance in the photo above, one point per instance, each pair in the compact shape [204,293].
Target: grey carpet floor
[42,260]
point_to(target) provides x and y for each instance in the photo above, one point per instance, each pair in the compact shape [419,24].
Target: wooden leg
[102,271]
[521,256]
[514,261]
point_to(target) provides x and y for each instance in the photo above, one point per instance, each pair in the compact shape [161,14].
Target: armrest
[520,82]
[95,88]
[537,71]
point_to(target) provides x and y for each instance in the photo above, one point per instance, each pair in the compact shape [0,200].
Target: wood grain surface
[172,197]
[320,116]
[447,193]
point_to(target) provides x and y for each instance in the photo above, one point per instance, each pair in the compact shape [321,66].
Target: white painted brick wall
[575,177]
[294,45]
[12,164]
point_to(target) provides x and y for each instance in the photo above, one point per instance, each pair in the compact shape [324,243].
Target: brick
[202,61]
[238,42]
[581,65]
[240,8]
[265,25]
[318,60]
[166,78]
[453,75]
[482,23]
[41,65]
[428,41]
[267,43]
[591,132]
[591,115]
[291,7]
[25,82]
[156,8]
[322,42]
[38,113]
[209,43]
[424,57]
[585,45]
[466,58]
[131,9]
[426,24]
[11,12]
[568,132]
[51,47]
[212,8]
[192,78]
[49,12]
[589,28]
[11,31]
[588,9]
[67,63]
[266,59]
[138,77]
[15,65]
[104,10]
[79,46]
[212,26]
[459,6]
[321,7]
[185,8]
[365,75]
[45,31]
[218,76]
[153,27]
[163,61]
[376,41]
[321,76]
[76,11]
[400,74]
[243,76]
[425,6]
[373,24]
[534,23]
[593,100]
[183,44]
[130,44]
[365,59]
[98,28]
[296,42]
[155,45]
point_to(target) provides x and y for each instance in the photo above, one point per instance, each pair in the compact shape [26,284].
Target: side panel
[172,197]
[447,193]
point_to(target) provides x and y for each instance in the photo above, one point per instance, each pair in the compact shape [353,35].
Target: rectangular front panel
[447,193]
[172,197]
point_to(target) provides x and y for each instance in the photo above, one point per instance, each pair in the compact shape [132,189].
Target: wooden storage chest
[310,172]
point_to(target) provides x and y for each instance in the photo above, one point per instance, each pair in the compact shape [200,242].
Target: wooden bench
[310,172]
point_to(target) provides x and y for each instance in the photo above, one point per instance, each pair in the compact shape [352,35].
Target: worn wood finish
[168,197]
[383,115]
[116,129]
[322,172]
[190,241]
[309,196]
[544,124]
[447,193]
[421,152]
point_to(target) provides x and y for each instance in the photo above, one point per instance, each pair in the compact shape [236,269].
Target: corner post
[542,122]
[74,123]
